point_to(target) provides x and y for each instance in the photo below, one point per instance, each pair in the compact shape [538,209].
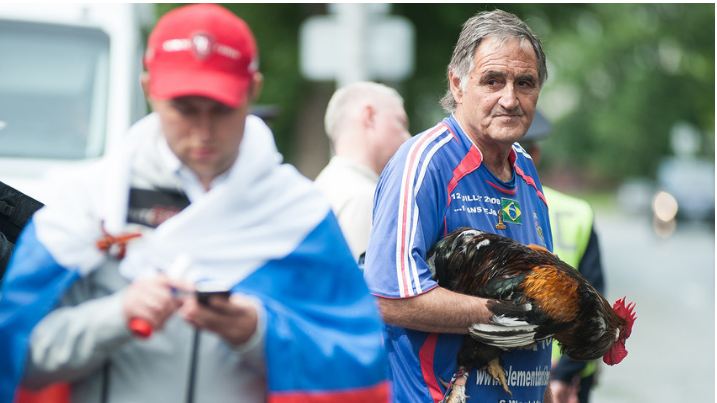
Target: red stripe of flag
[55,393]
[378,393]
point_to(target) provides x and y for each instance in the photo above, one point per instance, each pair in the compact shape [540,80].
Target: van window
[53,90]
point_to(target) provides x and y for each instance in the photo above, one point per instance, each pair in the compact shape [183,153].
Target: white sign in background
[355,43]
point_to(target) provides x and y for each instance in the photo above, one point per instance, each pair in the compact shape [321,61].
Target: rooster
[532,295]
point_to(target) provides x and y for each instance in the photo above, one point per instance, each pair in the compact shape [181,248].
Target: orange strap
[107,241]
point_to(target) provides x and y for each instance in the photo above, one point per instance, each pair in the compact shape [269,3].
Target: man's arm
[438,311]
[74,340]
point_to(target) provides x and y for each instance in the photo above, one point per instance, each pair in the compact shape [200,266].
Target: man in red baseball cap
[192,265]
[202,73]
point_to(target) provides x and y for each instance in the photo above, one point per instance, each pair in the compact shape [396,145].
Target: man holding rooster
[467,171]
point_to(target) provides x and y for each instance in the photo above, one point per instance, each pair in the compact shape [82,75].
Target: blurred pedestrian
[194,203]
[467,171]
[366,124]
[575,242]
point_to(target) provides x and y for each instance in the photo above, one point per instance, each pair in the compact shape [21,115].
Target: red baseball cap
[204,50]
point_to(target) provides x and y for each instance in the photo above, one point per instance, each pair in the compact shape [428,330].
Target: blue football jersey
[435,183]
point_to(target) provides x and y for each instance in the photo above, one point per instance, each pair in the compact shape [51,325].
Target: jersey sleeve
[409,206]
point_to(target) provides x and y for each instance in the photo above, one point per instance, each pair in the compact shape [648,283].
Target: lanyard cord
[193,367]
[104,392]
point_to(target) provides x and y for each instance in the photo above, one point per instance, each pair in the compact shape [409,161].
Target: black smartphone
[205,291]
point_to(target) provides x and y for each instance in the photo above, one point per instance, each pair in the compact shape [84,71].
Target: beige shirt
[349,188]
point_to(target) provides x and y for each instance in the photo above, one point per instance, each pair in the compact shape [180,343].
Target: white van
[69,85]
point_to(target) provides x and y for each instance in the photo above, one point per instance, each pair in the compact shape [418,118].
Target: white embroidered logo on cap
[202,45]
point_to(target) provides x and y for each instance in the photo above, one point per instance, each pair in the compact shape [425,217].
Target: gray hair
[497,23]
[354,95]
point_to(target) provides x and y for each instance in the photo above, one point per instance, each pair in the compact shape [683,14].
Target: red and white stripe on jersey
[419,157]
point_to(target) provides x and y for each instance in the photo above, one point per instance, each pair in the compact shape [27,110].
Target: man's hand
[151,299]
[234,319]
[564,392]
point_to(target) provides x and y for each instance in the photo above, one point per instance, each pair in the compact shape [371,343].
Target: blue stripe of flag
[32,286]
[324,332]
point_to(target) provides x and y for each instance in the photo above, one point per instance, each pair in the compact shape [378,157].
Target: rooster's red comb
[626,312]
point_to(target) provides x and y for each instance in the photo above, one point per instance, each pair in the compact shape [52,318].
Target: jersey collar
[455,127]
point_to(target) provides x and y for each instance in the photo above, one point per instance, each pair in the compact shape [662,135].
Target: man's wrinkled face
[203,133]
[497,101]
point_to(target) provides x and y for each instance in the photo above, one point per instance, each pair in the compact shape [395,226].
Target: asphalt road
[672,347]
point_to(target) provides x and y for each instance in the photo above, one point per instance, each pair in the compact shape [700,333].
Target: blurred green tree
[621,76]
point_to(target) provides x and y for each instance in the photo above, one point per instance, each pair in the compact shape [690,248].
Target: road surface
[672,347]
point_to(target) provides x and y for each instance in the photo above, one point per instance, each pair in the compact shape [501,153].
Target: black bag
[16,208]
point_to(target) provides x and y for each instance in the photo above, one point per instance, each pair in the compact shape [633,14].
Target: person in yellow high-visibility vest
[576,243]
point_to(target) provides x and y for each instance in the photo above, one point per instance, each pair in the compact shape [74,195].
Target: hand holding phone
[234,318]
[205,291]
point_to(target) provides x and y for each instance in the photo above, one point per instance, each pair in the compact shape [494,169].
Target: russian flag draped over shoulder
[265,231]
